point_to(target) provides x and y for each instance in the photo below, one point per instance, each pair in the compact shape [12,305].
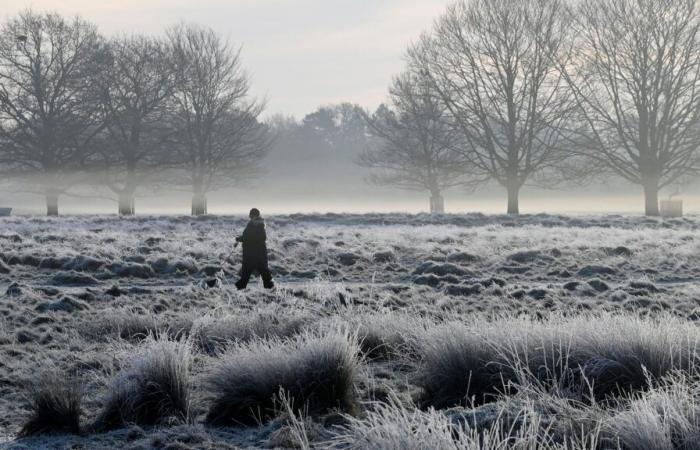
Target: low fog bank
[362,199]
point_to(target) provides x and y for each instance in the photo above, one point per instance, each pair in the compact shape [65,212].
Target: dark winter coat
[254,246]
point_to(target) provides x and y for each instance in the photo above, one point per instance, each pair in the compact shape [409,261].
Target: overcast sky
[301,53]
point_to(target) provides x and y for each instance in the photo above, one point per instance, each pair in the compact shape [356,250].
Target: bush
[54,405]
[317,372]
[152,388]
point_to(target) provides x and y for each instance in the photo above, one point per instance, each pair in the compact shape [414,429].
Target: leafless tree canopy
[124,113]
[218,135]
[48,113]
[418,141]
[134,88]
[491,62]
[636,74]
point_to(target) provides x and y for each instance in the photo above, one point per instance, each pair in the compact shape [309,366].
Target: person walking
[254,240]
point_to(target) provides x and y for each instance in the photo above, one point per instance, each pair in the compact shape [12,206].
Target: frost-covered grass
[385,336]
[213,333]
[466,363]
[152,388]
[666,418]
[395,427]
[317,371]
[385,331]
[55,405]
[322,247]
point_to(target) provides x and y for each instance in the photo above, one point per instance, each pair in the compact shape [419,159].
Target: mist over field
[285,200]
[350,225]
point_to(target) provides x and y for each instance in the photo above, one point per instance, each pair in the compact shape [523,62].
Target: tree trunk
[51,204]
[651,198]
[199,204]
[513,202]
[437,203]
[126,204]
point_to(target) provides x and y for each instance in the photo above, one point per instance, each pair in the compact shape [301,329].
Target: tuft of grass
[55,406]
[621,355]
[459,367]
[391,426]
[612,355]
[316,371]
[153,387]
[137,325]
[387,336]
[212,334]
[667,417]
[296,433]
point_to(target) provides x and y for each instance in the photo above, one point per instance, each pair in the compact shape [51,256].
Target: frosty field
[384,331]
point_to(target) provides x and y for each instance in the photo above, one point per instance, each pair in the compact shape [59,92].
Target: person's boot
[269,285]
[240,286]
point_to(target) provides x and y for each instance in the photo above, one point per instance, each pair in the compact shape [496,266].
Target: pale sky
[300,53]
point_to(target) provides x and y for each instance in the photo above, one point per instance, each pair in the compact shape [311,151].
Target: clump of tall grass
[135,326]
[621,354]
[459,366]
[387,336]
[211,333]
[665,418]
[391,426]
[299,430]
[613,355]
[55,406]
[316,371]
[153,386]
[532,418]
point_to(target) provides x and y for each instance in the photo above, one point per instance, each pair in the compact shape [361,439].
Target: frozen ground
[80,294]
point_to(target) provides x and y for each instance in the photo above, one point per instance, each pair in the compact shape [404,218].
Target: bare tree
[134,93]
[219,137]
[636,76]
[48,116]
[491,61]
[417,141]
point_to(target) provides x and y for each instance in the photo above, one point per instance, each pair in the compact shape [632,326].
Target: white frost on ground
[79,291]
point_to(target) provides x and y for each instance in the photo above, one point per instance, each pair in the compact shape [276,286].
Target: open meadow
[384,331]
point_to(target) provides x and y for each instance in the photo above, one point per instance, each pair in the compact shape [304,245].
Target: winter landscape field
[121,321]
[384,331]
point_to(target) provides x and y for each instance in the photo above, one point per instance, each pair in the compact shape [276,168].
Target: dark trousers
[247,272]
